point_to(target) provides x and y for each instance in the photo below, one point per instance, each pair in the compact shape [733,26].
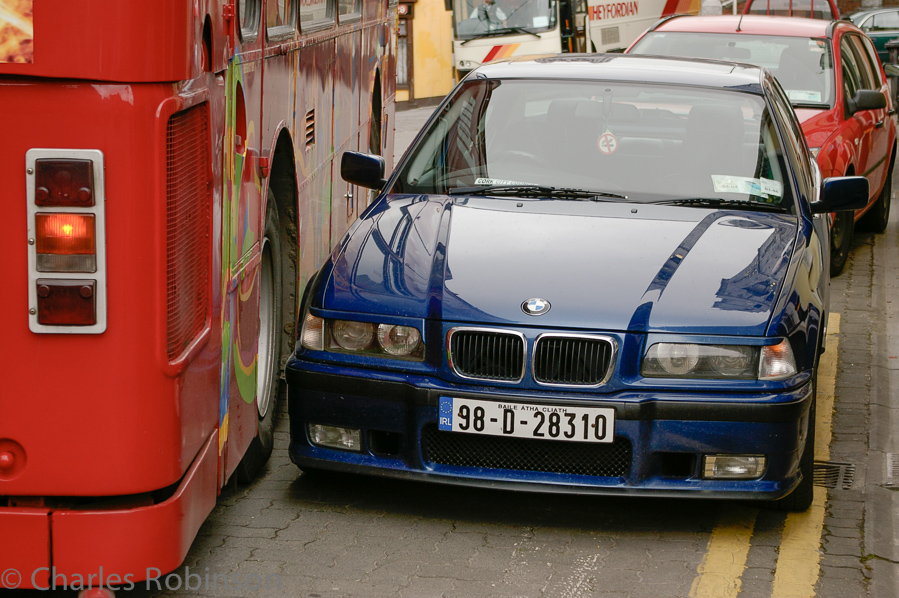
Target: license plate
[525,420]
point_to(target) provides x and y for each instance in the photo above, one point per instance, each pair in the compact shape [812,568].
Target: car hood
[605,266]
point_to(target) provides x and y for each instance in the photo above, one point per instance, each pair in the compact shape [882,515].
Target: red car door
[867,127]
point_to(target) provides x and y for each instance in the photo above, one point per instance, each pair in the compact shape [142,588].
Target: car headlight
[398,340]
[352,336]
[368,338]
[741,362]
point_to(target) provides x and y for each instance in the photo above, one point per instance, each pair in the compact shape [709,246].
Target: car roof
[751,25]
[626,68]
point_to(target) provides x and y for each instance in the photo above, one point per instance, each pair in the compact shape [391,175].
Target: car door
[881,133]
[858,127]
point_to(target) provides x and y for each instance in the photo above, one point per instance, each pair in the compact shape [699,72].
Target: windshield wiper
[536,191]
[718,202]
[499,32]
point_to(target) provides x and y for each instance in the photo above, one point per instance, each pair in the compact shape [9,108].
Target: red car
[835,82]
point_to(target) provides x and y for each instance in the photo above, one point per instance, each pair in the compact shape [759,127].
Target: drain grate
[892,473]
[834,475]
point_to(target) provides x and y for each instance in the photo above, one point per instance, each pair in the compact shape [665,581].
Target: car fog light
[348,439]
[733,467]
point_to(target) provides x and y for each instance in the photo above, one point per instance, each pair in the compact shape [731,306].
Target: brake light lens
[68,183]
[66,242]
[66,302]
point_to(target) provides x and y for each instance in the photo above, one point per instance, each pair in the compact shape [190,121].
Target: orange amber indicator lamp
[66,242]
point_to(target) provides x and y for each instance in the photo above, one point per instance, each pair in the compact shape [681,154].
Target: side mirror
[891,69]
[842,193]
[365,170]
[866,99]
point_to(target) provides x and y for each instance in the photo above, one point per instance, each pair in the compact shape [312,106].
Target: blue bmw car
[590,273]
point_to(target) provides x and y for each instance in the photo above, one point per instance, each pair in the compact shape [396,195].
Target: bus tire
[270,388]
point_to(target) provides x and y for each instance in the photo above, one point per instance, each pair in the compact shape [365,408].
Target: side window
[280,17]
[349,8]
[851,76]
[868,54]
[315,14]
[248,18]
[884,21]
[864,63]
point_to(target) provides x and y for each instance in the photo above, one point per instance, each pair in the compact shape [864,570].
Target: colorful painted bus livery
[171,179]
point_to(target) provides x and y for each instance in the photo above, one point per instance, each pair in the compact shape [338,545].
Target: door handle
[879,124]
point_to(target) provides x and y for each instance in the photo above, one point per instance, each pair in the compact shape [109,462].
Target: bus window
[349,7]
[280,18]
[315,14]
[248,18]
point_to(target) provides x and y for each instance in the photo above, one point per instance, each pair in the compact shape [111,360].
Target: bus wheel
[269,386]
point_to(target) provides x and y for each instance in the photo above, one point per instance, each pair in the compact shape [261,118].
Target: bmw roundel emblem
[535,306]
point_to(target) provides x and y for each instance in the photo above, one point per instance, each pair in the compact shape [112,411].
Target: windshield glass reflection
[804,66]
[476,18]
[645,142]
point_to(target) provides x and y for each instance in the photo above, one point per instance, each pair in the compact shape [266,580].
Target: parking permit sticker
[800,95]
[747,186]
[770,187]
[607,143]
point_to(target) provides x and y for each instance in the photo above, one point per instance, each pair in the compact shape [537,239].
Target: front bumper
[660,438]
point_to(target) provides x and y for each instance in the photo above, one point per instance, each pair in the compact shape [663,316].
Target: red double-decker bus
[170,179]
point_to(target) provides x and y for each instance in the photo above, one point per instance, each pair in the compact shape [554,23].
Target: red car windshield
[804,66]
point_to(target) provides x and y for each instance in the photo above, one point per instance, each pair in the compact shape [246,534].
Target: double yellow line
[798,562]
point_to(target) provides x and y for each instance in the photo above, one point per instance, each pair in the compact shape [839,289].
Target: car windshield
[577,140]
[484,18]
[804,66]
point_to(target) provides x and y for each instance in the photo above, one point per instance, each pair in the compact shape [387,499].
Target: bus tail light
[66,241]
[68,183]
[66,302]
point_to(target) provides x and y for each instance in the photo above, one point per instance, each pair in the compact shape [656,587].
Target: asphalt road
[330,536]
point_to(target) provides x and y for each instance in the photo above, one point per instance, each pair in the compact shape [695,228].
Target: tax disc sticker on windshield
[607,143]
[738,184]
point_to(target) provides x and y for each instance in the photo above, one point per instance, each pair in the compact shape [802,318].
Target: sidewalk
[860,547]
